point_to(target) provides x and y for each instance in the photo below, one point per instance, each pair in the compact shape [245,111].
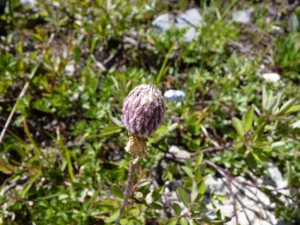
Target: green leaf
[183,196]
[198,175]
[257,135]
[238,144]
[261,144]
[194,193]
[164,65]
[278,102]
[248,119]
[116,84]
[286,106]
[117,191]
[157,193]
[221,197]
[157,205]
[293,23]
[183,221]
[172,221]
[267,149]
[251,161]
[264,97]
[172,127]
[198,161]
[113,217]
[202,187]
[177,209]
[111,129]
[295,108]
[273,103]
[188,171]
[237,123]
[296,124]
[278,144]
[262,156]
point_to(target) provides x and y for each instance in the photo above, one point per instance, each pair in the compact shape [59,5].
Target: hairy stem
[128,188]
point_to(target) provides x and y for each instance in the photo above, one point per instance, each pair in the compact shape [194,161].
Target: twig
[212,149]
[234,201]
[277,11]
[228,178]
[14,135]
[127,189]
[16,104]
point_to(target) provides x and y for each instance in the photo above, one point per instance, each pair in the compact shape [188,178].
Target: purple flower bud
[143,110]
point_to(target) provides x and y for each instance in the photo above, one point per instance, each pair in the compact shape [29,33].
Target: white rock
[179,153]
[190,19]
[163,22]
[272,77]
[253,206]
[70,69]
[243,16]
[30,3]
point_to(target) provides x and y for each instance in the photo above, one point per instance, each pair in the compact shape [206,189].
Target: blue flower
[175,95]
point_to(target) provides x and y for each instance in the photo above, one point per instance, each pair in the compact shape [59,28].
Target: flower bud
[143,110]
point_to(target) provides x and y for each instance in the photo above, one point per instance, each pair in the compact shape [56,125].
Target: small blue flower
[175,95]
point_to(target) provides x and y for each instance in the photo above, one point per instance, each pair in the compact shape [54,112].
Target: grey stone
[243,16]
[272,77]
[253,206]
[190,17]
[190,20]
[31,3]
[163,22]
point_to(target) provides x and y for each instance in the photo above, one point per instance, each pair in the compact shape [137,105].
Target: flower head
[143,110]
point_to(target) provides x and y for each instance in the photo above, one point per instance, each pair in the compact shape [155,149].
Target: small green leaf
[183,196]
[221,197]
[183,221]
[113,217]
[157,193]
[278,144]
[296,124]
[293,23]
[261,144]
[273,103]
[111,129]
[115,83]
[262,156]
[201,187]
[264,97]
[172,127]
[195,190]
[198,175]
[248,119]
[117,191]
[257,135]
[213,202]
[295,108]
[188,171]
[278,102]
[237,123]
[172,221]
[135,211]
[286,106]
[267,149]
[251,161]
[177,209]
[157,205]
[198,161]
[238,144]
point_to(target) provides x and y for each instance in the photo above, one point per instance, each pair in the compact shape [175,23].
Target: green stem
[128,189]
